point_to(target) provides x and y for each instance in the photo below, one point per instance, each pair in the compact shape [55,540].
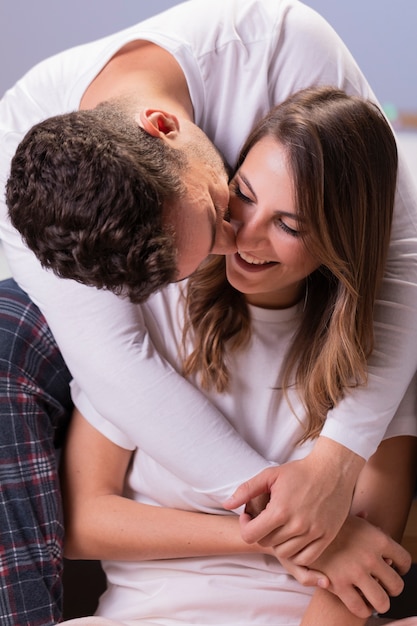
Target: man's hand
[363,565]
[308,502]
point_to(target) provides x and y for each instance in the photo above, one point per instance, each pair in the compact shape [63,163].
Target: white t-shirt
[239,58]
[237,589]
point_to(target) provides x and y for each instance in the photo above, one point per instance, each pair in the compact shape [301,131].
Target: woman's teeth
[250,259]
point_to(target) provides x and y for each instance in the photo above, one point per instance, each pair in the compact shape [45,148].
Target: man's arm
[325,479]
[360,420]
[103,339]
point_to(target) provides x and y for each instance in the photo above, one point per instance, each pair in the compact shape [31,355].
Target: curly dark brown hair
[87,192]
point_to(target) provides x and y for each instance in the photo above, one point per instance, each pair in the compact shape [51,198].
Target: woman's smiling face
[272,261]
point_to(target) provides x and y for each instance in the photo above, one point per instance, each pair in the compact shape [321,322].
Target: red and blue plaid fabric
[35,407]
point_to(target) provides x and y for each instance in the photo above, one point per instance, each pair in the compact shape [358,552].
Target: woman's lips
[252,264]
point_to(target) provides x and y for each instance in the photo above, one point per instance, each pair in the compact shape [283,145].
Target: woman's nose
[250,232]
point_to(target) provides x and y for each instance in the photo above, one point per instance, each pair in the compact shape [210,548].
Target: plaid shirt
[35,406]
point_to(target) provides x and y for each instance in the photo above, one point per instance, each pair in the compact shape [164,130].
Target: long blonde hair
[343,158]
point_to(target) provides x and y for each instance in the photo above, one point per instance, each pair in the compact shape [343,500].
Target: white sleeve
[313,53]
[404,422]
[359,421]
[106,347]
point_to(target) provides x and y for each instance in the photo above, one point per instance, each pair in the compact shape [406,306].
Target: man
[156,196]
[215,66]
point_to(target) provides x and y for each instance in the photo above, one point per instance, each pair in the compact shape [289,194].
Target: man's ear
[158,123]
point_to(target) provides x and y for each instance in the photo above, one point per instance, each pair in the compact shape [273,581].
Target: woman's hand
[363,565]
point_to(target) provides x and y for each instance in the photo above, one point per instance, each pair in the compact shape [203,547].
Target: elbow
[76,546]
[72,553]
[80,538]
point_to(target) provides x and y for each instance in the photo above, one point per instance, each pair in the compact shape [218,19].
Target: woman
[281,331]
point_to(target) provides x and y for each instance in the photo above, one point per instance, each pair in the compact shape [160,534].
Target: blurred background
[381,36]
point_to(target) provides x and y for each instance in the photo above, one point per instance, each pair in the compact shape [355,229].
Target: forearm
[132,531]
[326,608]
[342,465]
[101,523]
[386,485]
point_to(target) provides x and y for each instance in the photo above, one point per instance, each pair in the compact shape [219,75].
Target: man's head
[198,215]
[103,201]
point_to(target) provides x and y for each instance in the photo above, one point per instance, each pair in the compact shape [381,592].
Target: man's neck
[145,72]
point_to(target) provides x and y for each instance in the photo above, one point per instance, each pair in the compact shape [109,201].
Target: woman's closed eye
[287,229]
[235,188]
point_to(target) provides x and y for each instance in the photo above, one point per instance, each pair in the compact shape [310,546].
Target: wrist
[336,458]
